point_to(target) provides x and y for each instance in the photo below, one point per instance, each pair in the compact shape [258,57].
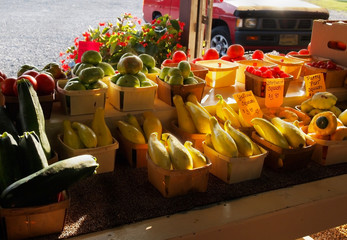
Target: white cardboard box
[325,31]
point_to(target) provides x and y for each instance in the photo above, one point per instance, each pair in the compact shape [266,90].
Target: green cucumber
[36,188]
[35,158]
[10,157]
[6,125]
[31,115]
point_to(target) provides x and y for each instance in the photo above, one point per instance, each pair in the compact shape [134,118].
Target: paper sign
[84,46]
[314,83]
[248,105]
[274,92]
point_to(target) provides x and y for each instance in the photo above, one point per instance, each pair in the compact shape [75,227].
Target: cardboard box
[83,101]
[46,102]
[171,183]
[198,70]
[105,156]
[195,138]
[332,78]
[290,66]
[285,159]
[258,84]
[167,91]
[240,72]
[134,153]
[131,98]
[31,222]
[329,152]
[234,170]
[221,73]
[326,32]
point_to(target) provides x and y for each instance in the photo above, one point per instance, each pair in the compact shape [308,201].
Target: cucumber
[31,116]
[6,125]
[38,188]
[35,158]
[10,157]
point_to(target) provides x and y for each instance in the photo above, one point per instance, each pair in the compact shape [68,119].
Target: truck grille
[285,24]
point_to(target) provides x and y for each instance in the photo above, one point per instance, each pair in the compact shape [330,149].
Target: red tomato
[211,54]
[7,86]
[258,54]
[179,56]
[292,53]
[196,59]
[235,51]
[32,73]
[45,84]
[30,78]
[166,61]
[226,58]
[303,52]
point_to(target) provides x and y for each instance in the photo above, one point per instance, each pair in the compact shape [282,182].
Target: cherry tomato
[196,59]
[45,84]
[235,51]
[7,86]
[211,54]
[292,53]
[226,58]
[258,54]
[179,56]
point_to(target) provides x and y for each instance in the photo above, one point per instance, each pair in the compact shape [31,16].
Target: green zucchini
[6,124]
[35,158]
[31,115]
[39,187]
[10,157]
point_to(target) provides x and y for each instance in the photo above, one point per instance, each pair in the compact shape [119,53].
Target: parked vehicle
[284,25]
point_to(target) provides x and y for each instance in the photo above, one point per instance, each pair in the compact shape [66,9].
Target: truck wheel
[220,39]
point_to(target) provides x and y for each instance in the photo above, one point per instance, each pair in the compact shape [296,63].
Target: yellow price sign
[274,92]
[248,105]
[314,83]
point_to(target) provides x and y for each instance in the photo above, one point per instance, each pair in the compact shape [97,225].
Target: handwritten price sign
[314,83]
[274,92]
[248,105]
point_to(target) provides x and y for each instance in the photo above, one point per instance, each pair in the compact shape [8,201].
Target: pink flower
[102,24]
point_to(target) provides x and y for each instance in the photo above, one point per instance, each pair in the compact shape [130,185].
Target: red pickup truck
[282,25]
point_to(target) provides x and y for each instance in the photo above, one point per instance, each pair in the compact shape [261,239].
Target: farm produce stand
[124,205]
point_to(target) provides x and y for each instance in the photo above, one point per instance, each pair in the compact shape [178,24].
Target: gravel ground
[36,31]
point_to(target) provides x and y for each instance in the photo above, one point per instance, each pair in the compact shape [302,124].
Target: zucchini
[35,158]
[39,187]
[10,167]
[6,125]
[31,116]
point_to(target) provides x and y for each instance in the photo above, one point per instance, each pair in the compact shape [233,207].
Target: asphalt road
[36,31]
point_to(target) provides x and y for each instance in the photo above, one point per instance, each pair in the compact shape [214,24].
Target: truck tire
[220,39]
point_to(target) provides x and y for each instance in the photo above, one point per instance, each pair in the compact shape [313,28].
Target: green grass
[340,5]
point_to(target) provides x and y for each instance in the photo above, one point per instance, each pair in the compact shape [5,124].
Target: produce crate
[198,70]
[46,102]
[258,84]
[171,183]
[288,65]
[195,138]
[31,222]
[131,98]
[221,73]
[285,159]
[240,72]
[134,153]
[105,156]
[328,152]
[234,170]
[167,91]
[81,102]
[332,78]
